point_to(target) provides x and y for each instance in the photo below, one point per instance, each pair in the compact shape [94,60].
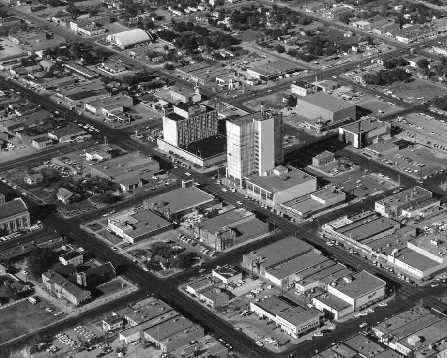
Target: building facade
[254,144]
[189,123]
[14,216]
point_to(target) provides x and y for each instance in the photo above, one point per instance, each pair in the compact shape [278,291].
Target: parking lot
[361,184]
[417,161]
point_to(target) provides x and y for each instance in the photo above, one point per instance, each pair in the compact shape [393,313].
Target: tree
[40,260]
[423,63]
[280,48]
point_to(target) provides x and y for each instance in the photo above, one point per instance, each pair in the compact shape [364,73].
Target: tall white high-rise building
[254,144]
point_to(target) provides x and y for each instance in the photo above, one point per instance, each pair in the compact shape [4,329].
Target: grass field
[23,317]
[417,89]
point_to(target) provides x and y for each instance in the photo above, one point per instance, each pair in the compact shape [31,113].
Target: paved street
[166,289]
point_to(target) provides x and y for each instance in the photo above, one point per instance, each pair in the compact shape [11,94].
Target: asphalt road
[407,295]
[166,289]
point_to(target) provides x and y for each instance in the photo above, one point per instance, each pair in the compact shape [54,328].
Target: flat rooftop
[130,163]
[147,309]
[225,219]
[414,326]
[429,335]
[389,353]
[169,327]
[365,346]
[149,323]
[362,284]
[308,203]
[435,244]
[181,199]
[281,251]
[276,183]
[138,223]
[413,259]
[296,264]
[366,227]
[332,301]
[363,125]
[326,101]
[405,196]
[208,147]
[401,319]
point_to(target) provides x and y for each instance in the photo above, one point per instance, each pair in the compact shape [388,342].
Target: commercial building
[129,171]
[214,297]
[280,185]
[323,159]
[267,257]
[175,95]
[179,201]
[67,133]
[227,274]
[254,145]
[332,306]
[146,310]
[188,123]
[423,257]
[211,153]
[414,264]
[74,258]
[360,230]
[404,202]
[229,229]
[173,333]
[414,333]
[303,88]
[195,287]
[106,105]
[112,323]
[136,333]
[287,314]
[325,110]
[364,132]
[284,274]
[14,215]
[63,288]
[271,69]
[360,291]
[133,224]
[80,70]
[42,142]
[129,38]
[314,203]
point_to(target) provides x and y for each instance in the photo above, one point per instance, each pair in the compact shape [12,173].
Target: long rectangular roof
[362,284]
[326,101]
[282,251]
[276,183]
[181,199]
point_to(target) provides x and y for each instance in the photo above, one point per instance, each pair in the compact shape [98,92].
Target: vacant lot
[114,286]
[23,317]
